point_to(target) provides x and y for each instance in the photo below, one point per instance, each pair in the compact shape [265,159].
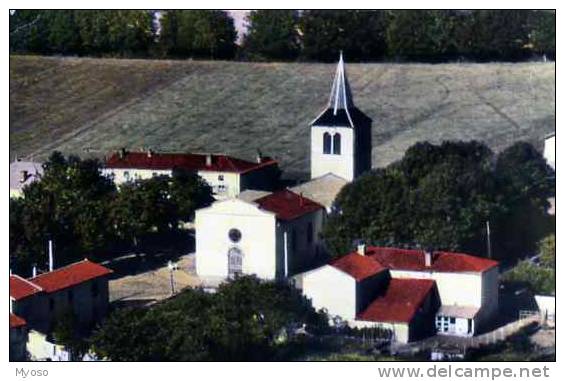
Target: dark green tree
[542,35]
[64,36]
[421,35]
[359,34]
[198,34]
[272,35]
[189,192]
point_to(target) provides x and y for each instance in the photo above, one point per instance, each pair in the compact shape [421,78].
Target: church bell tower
[340,137]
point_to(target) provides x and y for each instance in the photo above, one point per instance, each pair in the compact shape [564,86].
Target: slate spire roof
[340,97]
[340,110]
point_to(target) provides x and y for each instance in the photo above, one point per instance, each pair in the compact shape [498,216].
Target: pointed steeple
[340,97]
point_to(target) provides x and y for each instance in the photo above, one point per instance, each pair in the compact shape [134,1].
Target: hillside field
[91,107]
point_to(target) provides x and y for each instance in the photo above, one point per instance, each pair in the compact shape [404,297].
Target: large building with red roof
[273,235]
[80,288]
[228,176]
[412,293]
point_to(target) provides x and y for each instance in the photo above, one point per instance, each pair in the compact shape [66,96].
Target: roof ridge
[28,281]
[64,267]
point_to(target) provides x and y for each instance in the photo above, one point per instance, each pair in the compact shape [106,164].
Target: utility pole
[171,270]
[489,249]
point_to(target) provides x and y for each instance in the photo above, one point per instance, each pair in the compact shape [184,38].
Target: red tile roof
[70,275]
[188,161]
[409,259]
[287,205]
[21,288]
[358,266]
[16,321]
[400,302]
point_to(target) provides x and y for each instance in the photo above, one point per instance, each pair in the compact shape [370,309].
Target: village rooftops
[323,189]
[358,266]
[400,301]
[441,261]
[16,321]
[56,280]
[287,205]
[70,275]
[187,161]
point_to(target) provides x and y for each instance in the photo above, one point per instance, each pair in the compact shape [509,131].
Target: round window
[235,235]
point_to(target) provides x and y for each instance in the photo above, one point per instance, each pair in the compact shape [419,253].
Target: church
[278,234]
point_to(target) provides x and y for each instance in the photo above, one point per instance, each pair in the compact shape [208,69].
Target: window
[126,175]
[221,188]
[327,143]
[220,177]
[234,235]
[94,289]
[51,304]
[337,144]
[310,232]
[235,262]
[452,320]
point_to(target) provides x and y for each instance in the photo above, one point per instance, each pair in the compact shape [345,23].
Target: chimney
[122,153]
[208,160]
[361,249]
[149,153]
[428,254]
[34,271]
[51,255]
[301,199]
[24,176]
[259,156]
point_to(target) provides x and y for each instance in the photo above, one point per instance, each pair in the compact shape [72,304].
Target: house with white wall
[228,176]
[80,289]
[273,236]
[419,292]
[22,174]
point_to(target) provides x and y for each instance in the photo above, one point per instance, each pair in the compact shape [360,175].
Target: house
[272,236]
[340,136]
[228,176]
[23,173]
[410,292]
[549,149]
[80,289]
[18,338]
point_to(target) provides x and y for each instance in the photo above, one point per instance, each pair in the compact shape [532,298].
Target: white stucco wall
[342,165]
[332,289]
[257,239]
[549,151]
[224,184]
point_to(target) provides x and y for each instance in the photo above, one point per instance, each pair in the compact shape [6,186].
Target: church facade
[276,235]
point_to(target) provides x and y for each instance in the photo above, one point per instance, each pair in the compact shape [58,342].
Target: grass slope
[93,106]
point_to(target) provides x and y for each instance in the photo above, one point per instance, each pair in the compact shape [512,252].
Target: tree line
[442,196]
[288,35]
[85,215]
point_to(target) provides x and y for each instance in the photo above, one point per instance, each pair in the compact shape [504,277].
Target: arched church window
[327,143]
[337,144]
[235,262]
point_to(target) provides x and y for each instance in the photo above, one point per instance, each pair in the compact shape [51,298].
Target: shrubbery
[242,321]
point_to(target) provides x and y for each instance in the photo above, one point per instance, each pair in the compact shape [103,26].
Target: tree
[70,205]
[239,322]
[416,35]
[198,33]
[498,35]
[272,34]
[547,251]
[66,332]
[542,34]
[438,196]
[360,34]
[64,37]
[189,192]
[526,182]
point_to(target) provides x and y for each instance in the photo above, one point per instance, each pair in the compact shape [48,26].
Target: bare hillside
[93,106]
